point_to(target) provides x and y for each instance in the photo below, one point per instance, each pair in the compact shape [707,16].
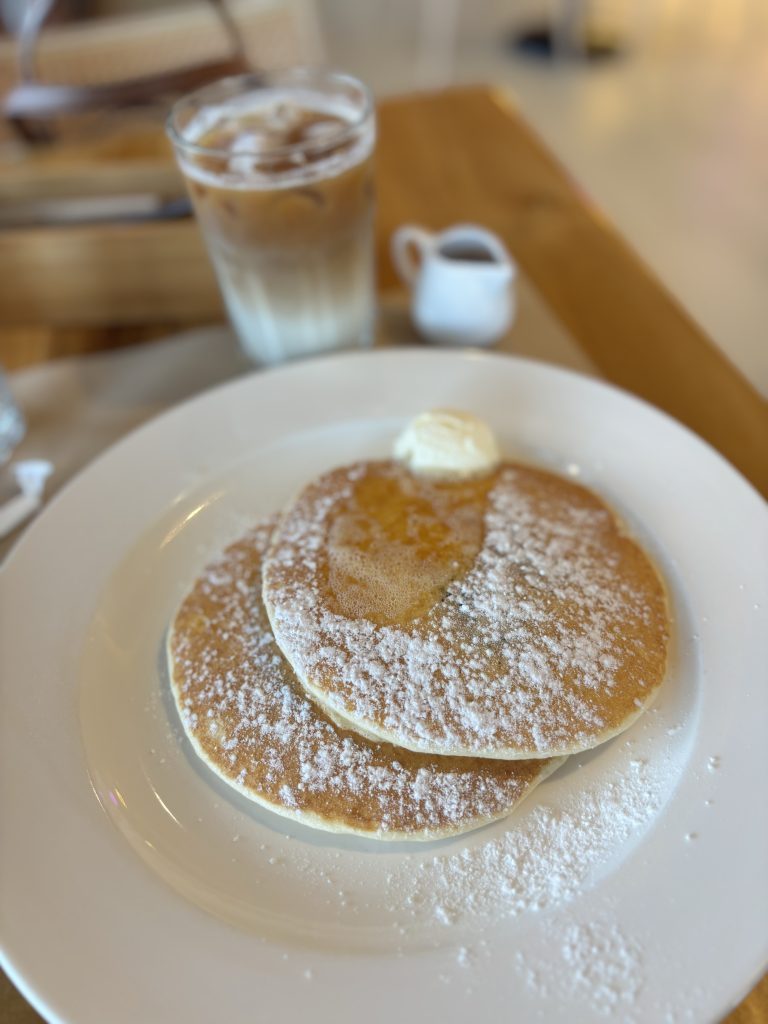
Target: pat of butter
[446,442]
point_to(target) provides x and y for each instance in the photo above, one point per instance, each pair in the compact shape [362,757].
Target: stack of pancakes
[405,657]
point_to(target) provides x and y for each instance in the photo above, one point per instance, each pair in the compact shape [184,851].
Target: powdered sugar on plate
[547,859]
[541,858]
[594,964]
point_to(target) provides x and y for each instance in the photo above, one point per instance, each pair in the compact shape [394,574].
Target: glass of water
[12,426]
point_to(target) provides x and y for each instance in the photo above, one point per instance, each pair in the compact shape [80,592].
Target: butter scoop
[447,442]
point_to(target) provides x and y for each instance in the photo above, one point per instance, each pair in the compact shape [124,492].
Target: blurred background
[658,108]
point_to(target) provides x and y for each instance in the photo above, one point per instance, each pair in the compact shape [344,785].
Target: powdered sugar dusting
[554,639]
[542,859]
[480,896]
[551,856]
[593,963]
[253,724]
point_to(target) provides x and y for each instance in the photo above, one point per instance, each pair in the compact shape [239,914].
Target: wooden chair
[132,59]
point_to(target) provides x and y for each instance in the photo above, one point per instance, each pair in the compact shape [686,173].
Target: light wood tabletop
[466,155]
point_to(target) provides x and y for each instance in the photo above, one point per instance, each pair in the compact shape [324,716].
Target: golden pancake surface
[252,723]
[505,616]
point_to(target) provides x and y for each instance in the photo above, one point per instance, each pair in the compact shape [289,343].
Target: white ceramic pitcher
[461,281]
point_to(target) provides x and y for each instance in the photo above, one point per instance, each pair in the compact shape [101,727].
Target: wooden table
[466,155]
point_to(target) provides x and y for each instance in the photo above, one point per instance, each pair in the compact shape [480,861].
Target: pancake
[254,726]
[503,616]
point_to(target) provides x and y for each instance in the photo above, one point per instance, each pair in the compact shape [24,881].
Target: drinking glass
[279,168]
[12,426]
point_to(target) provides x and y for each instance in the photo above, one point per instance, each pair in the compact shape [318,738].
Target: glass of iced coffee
[279,168]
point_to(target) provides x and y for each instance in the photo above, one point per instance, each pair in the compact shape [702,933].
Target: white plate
[631,885]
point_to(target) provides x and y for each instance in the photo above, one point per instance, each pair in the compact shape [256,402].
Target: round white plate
[630,886]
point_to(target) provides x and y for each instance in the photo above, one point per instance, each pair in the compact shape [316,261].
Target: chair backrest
[134,59]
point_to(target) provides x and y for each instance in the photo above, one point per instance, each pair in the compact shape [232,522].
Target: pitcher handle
[404,241]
